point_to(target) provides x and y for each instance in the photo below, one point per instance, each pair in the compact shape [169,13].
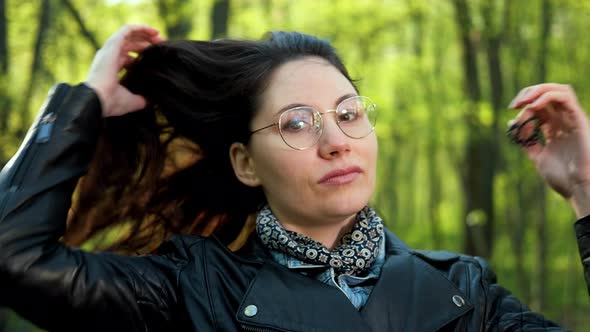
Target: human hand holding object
[114,56]
[562,155]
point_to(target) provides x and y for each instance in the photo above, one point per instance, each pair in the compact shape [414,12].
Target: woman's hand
[564,160]
[110,60]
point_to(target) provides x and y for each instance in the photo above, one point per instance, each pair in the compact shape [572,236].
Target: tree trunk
[432,144]
[519,214]
[3,39]
[177,17]
[471,80]
[219,19]
[541,231]
[43,28]
[478,169]
[517,221]
[5,99]
[493,40]
[434,179]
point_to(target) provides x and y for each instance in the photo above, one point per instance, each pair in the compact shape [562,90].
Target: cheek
[370,150]
[282,168]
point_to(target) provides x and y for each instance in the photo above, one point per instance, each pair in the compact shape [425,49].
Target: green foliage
[407,55]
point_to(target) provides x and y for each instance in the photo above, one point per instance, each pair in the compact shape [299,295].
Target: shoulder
[494,305]
[183,249]
[452,263]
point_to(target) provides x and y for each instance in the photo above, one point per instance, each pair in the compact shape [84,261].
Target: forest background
[442,73]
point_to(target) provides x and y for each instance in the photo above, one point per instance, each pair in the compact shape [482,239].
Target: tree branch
[44,24]
[85,32]
[3,39]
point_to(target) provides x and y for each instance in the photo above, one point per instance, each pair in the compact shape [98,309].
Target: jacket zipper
[42,136]
[256,329]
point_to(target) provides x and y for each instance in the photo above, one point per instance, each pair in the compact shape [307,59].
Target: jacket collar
[410,295]
[254,250]
[418,296]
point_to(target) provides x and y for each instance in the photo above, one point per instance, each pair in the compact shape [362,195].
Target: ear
[243,165]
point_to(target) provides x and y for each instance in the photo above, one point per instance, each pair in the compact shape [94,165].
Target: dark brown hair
[166,169]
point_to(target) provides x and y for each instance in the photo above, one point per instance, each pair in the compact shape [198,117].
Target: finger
[531,93]
[138,43]
[550,120]
[529,127]
[533,151]
[140,32]
[522,135]
[137,46]
[136,102]
[128,60]
[564,98]
[567,113]
[519,96]
[139,28]
[138,36]
[131,32]
[524,114]
[158,39]
[554,126]
[557,111]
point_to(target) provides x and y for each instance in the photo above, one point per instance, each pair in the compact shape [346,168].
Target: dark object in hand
[526,133]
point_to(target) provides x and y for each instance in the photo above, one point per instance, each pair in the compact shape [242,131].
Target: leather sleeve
[61,288]
[504,312]
[582,228]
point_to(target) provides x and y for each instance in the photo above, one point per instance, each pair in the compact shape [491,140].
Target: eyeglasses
[527,133]
[301,127]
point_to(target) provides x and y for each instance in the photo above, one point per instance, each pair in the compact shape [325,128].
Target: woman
[281,168]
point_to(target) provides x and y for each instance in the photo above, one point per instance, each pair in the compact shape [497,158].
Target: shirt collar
[294,264]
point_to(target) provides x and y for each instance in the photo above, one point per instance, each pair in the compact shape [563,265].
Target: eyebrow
[293,105]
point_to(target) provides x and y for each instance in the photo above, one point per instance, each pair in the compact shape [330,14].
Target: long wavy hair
[166,169]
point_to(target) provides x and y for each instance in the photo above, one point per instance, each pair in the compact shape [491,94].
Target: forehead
[311,81]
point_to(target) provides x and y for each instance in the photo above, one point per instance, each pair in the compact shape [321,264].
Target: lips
[341,176]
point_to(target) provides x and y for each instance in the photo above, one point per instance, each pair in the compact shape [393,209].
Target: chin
[345,206]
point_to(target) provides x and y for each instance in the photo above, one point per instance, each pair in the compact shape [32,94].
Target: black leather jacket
[196,284]
[582,228]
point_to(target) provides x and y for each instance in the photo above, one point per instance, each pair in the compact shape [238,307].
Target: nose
[333,143]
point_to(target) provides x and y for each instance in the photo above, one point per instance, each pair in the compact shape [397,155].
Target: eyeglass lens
[302,127]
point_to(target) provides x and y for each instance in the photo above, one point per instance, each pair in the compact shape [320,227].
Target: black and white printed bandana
[353,256]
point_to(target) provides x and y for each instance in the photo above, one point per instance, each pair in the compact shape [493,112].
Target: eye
[349,114]
[294,125]
[296,120]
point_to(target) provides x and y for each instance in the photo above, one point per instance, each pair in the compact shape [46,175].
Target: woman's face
[326,183]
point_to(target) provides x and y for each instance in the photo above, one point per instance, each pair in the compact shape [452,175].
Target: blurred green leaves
[407,56]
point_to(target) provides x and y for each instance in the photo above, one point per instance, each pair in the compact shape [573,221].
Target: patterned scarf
[353,256]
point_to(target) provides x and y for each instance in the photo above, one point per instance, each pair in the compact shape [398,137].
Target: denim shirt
[356,289]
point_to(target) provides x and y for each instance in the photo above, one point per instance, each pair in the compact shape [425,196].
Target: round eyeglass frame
[319,114]
[536,137]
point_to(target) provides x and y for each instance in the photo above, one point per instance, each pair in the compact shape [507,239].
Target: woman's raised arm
[61,288]
[562,157]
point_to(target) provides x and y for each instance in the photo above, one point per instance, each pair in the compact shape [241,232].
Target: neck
[328,234]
